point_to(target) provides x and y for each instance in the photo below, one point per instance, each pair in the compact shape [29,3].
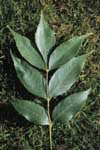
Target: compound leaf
[27,51]
[66,51]
[66,76]
[45,38]
[31,111]
[68,107]
[30,77]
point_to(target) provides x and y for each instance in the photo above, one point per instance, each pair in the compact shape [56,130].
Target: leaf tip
[89,90]
[9,28]
[87,35]
[41,12]
[42,15]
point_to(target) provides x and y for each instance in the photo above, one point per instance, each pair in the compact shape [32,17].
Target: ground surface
[67,18]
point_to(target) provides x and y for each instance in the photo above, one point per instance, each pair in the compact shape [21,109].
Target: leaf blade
[31,78]
[66,51]
[27,51]
[31,111]
[65,76]
[44,37]
[68,107]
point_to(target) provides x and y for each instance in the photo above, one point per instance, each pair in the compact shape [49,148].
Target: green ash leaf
[66,51]
[27,51]
[45,38]
[31,111]
[68,107]
[65,76]
[30,77]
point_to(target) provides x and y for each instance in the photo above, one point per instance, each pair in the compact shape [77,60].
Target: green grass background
[67,18]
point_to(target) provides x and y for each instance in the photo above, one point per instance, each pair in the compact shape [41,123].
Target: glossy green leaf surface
[66,51]
[68,107]
[45,38]
[31,78]
[31,111]
[27,51]
[66,76]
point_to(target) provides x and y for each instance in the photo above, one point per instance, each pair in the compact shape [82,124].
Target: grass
[67,18]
